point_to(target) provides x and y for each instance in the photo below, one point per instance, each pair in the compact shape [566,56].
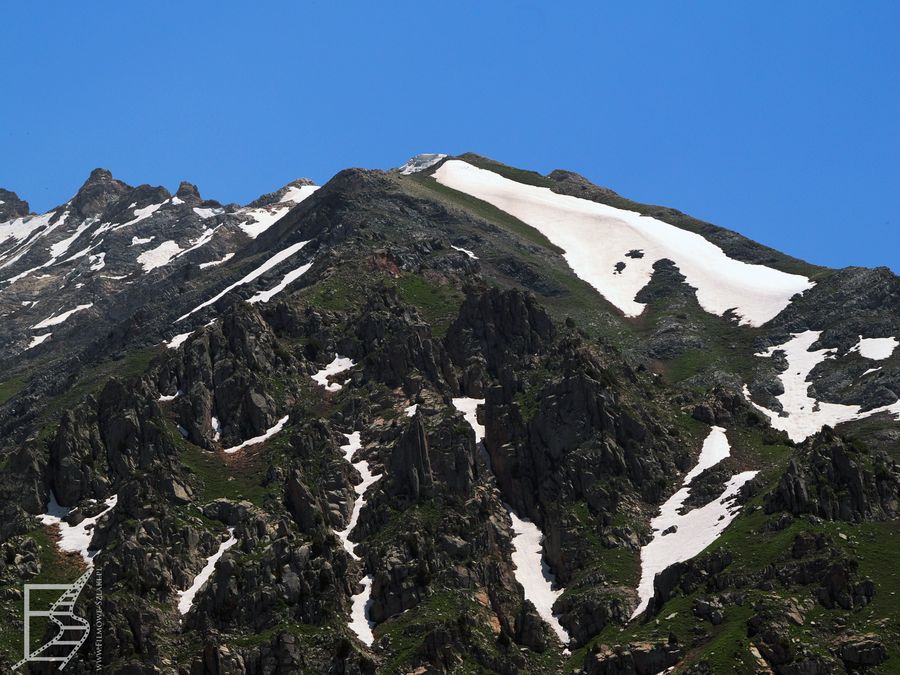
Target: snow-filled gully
[186,597]
[532,573]
[694,530]
[359,619]
[75,538]
[802,415]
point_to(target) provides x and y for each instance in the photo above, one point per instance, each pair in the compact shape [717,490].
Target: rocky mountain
[451,418]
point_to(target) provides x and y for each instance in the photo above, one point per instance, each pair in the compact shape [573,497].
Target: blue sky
[779,120]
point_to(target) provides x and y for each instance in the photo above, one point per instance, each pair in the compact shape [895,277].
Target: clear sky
[777,119]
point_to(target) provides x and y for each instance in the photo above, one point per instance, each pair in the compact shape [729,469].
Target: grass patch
[10,388]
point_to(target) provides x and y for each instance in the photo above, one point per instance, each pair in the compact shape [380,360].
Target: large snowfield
[597,238]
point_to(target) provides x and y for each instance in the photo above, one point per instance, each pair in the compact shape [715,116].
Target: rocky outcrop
[633,659]
[836,480]
[11,207]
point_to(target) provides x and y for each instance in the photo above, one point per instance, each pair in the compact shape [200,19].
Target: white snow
[137,241]
[464,250]
[176,201]
[216,427]
[60,247]
[289,278]
[297,193]
[204,238]
[75,538]
[213,263]
[353,444]
[57,319]
[409,411]
[97,261]
[871,370]
[276,259]
[359,612]
[696,529]
[163,398]
[22,228]
[159,256]
[206,213]
[38,339]
[803,415]
[279,425]
[178,340]
[532,573]
[596,237]
[186,597]
[338,365]
[876,349]
[140,214]
[420,162]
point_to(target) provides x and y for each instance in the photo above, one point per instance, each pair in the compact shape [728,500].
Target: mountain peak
[98,192]
[11,206]
[188,192]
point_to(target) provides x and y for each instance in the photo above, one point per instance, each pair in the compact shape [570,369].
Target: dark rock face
[99,191]
[633,659]
[835,481]
[11,207]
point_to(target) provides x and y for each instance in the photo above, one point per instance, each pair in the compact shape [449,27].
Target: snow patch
[338,365]
[409,411]
[421,162]
[289,278]
[186,597]
[163,398]
[876,349]
[38,339]
[595,237]
[696,529]
[276,259]
[137,241]
[75,538]
[213,263]
[140,214]
[57,319]
[297,193]
[97,261]
[256,440]
[802,415]
[178,340]
[353,444]
[206,213]
[160,256]
[464,250]
[359,612]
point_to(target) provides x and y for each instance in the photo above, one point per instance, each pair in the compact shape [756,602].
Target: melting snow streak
[696,529]
[186,598]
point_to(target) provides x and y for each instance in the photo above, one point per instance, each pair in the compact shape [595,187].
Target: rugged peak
[11,206]
[279,195]
[99,191]
[188,192]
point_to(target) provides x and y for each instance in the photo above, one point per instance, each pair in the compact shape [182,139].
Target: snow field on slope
[696,529]
[532,573]
[57,319]
[804,415]
[595,237]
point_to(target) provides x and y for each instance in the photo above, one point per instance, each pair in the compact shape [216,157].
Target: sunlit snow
[186,597]
[464,250]
[353,444]
[178,340]
[57,319]
[297,193]
[137,241]
[276,259]
[256,440]
[597,237]
[359,612]
[421,162]
[803,415]
[75,538]
[159,256]
[696,529]
[140,214]
[338,365]
[38,339]
[876,349]
[288,279]
[213,263]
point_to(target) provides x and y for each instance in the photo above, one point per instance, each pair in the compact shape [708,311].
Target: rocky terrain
[388,426]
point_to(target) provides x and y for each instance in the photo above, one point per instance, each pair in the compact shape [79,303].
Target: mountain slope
[407,422]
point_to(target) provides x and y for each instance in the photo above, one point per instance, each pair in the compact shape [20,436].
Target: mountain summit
[453,417]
